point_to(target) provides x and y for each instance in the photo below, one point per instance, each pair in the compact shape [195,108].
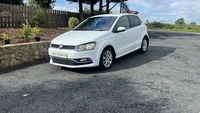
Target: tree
[46,3]
[41,3]
[180,21]
[193,24]
[15,2]
[80,2]
[91,2]
[100,6]
[31,3]
[108,9]
[96,12]
[81,10]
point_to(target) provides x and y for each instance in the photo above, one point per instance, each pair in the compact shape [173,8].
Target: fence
[15,16]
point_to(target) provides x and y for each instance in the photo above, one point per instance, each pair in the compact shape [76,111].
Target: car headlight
[86,46]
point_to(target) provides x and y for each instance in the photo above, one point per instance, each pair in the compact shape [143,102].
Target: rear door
[136,31]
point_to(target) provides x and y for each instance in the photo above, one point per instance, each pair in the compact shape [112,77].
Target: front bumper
[73,59]
[73,62]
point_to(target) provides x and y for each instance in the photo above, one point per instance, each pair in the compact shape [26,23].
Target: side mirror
[121,29]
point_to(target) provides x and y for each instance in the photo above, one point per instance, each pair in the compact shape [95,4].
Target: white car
[99,40]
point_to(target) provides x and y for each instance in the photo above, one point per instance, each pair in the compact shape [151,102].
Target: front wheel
[144,46]
[106,58]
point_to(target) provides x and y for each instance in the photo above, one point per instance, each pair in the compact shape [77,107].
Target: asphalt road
[166,79]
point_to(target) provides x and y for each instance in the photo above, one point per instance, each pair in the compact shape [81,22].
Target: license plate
[61,55]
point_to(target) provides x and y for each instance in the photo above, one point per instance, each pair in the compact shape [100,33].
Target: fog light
[83,60]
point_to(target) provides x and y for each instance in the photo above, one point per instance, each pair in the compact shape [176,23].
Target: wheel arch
[110,46]
[147,37]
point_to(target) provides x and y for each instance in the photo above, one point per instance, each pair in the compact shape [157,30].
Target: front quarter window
[96,24]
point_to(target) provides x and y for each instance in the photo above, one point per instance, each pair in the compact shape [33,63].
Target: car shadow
[131,60]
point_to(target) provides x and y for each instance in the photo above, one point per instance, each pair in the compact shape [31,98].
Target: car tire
[106,59]
[144,45]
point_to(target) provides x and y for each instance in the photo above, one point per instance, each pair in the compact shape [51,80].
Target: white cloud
[66,6]
[168,11]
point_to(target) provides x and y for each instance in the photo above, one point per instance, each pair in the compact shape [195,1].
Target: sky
[165,11]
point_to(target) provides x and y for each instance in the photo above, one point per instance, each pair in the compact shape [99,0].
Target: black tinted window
[123,22]
[135,21]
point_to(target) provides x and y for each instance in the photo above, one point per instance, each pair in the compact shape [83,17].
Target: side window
[135,21]
[123,22]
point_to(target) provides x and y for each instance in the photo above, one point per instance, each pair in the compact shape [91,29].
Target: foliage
[175,27]
[5,13]
[32,3]
[15,2]
[88,11]
[193,24]
[155,25]
[41,3]
[38,18]
[35,31]
[4,36]
[180,21]
[26,30]
[73,22]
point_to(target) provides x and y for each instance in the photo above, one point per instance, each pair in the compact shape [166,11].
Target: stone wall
[15,54]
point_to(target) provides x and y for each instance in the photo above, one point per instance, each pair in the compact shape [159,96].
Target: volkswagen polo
[99,40]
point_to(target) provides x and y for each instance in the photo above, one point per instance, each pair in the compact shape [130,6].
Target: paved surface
[163,80]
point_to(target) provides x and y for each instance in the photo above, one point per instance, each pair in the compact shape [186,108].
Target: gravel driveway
[166,79]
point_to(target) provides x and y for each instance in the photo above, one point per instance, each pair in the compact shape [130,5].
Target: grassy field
[173,27]
[181,30]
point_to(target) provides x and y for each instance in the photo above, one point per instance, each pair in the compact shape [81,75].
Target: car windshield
[96,24]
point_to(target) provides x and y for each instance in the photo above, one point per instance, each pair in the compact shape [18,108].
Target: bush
[155,25]
[5,36]
[38,18]
[35,31]
[73,22]
[26,30]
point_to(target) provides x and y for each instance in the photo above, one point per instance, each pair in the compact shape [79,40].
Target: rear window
[135,21]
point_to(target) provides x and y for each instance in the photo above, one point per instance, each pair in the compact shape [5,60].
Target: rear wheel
[106,58]
[144,46]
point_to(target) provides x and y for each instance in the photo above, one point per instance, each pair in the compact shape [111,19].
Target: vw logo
[60,46]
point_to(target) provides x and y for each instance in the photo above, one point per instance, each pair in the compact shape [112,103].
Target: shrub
[38,18]
[189,27]
[73,22]
[26,30]
[35,31]
[5,36]
[169,26]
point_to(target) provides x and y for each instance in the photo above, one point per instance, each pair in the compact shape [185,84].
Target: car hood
[78,37]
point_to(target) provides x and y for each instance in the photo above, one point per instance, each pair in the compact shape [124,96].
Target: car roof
[118,15]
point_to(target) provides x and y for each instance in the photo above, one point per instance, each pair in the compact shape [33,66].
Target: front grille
[68,61]
[63,61]
[64,46]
